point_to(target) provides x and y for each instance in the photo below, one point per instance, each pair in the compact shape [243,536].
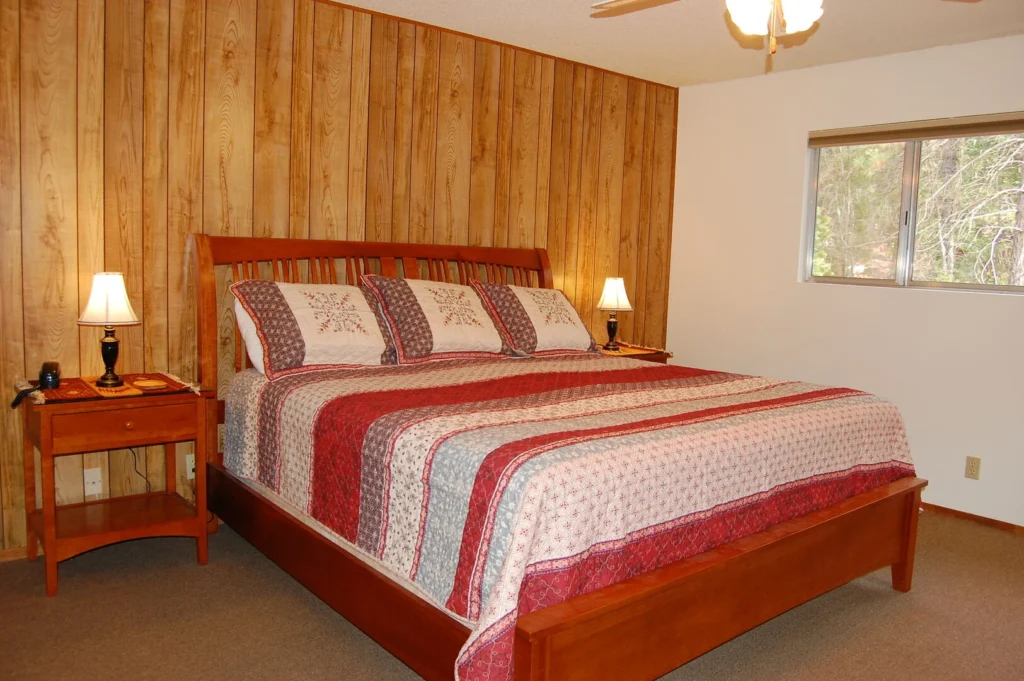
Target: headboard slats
[410,268]
[294,260]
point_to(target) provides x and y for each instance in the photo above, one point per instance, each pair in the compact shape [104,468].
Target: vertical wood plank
[154,206]
[185,135]
[572,231]
[230,102]
[558,202]
[629,220]
[543,175]
[609,196]
[358,125]
[273,118]
[12,330]
[483,165]
[90,170]
[454,139]
[332,77]
[228,152]
[301,122]
[503,154]
[91,23]
[525,136]
[586,297]
[644,224]
[185,143]
[49,199]
[124,51]
[404,120]
[424,135]
[661,216]
[380,163]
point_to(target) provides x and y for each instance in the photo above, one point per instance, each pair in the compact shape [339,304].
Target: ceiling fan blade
[613,4]
[615,8]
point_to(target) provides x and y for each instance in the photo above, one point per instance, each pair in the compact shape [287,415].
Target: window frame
[912,138]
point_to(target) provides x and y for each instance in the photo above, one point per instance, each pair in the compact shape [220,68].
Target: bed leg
[903,571]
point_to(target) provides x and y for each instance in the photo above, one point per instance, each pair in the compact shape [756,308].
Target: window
[926,210]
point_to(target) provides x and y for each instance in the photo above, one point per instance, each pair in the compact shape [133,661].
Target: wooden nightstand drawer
[121,428]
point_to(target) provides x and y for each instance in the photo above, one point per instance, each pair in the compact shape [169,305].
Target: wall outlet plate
[93,478]
[973,468]
[190,466]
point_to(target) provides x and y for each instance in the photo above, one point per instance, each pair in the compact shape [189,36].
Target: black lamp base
[108,350]
[613,328]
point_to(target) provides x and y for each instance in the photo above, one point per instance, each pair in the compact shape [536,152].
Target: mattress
[493,488]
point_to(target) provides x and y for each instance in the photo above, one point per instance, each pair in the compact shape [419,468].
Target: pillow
[288,328]
[432,320]
[537,321]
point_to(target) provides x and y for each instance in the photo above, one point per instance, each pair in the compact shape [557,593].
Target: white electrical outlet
[973,468]
[190,466]
[93,482]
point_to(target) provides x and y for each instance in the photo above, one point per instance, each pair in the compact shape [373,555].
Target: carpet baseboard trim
[17,553]
[963,515]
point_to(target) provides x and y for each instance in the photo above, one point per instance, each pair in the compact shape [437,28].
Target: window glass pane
[857,225]
[970,211]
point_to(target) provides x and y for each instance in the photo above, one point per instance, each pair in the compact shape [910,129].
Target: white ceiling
[690,41]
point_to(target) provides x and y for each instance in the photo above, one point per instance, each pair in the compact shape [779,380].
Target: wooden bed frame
[639,629]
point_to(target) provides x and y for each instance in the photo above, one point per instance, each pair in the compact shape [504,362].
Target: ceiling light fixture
[773,17]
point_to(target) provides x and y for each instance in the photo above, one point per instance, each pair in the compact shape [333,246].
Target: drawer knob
[129,425]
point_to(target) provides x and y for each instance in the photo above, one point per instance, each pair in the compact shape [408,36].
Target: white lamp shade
[750,16]
[800,15]
[108,302]
[614,296]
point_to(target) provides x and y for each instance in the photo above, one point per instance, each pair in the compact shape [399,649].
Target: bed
[626,517]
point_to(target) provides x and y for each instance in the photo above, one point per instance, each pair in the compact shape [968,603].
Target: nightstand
[638,352]
[70,423]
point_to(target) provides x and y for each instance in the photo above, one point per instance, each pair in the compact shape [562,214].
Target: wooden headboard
[222,260]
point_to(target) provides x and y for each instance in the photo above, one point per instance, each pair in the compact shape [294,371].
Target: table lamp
[108,307]
[613,299]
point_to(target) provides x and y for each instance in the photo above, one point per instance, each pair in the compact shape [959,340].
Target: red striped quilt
[499,487]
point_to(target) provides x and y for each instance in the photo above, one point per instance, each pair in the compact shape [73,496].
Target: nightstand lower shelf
[83,527]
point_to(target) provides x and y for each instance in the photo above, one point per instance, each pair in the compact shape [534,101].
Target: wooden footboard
[647,626]
[639,629]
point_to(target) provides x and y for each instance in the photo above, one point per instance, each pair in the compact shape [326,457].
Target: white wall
[953,361]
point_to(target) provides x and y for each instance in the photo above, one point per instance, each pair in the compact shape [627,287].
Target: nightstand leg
[49,524]
[171,467]
[202,450]
[32,548]
[51,575]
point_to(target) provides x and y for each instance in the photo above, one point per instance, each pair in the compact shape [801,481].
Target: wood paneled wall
[125,125]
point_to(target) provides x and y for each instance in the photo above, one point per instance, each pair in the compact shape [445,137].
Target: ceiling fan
[753,17]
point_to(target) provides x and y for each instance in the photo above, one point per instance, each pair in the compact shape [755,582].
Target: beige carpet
[145,610]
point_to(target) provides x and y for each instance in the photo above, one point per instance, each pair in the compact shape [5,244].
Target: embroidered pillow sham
[289,328]
[537,321]
[432,320]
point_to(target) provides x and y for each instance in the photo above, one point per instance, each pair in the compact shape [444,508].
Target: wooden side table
[639,352]
[59,428]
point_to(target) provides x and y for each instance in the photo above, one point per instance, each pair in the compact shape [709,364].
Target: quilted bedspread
[499,487]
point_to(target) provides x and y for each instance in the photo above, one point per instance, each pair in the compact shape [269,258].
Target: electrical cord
[135,463]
